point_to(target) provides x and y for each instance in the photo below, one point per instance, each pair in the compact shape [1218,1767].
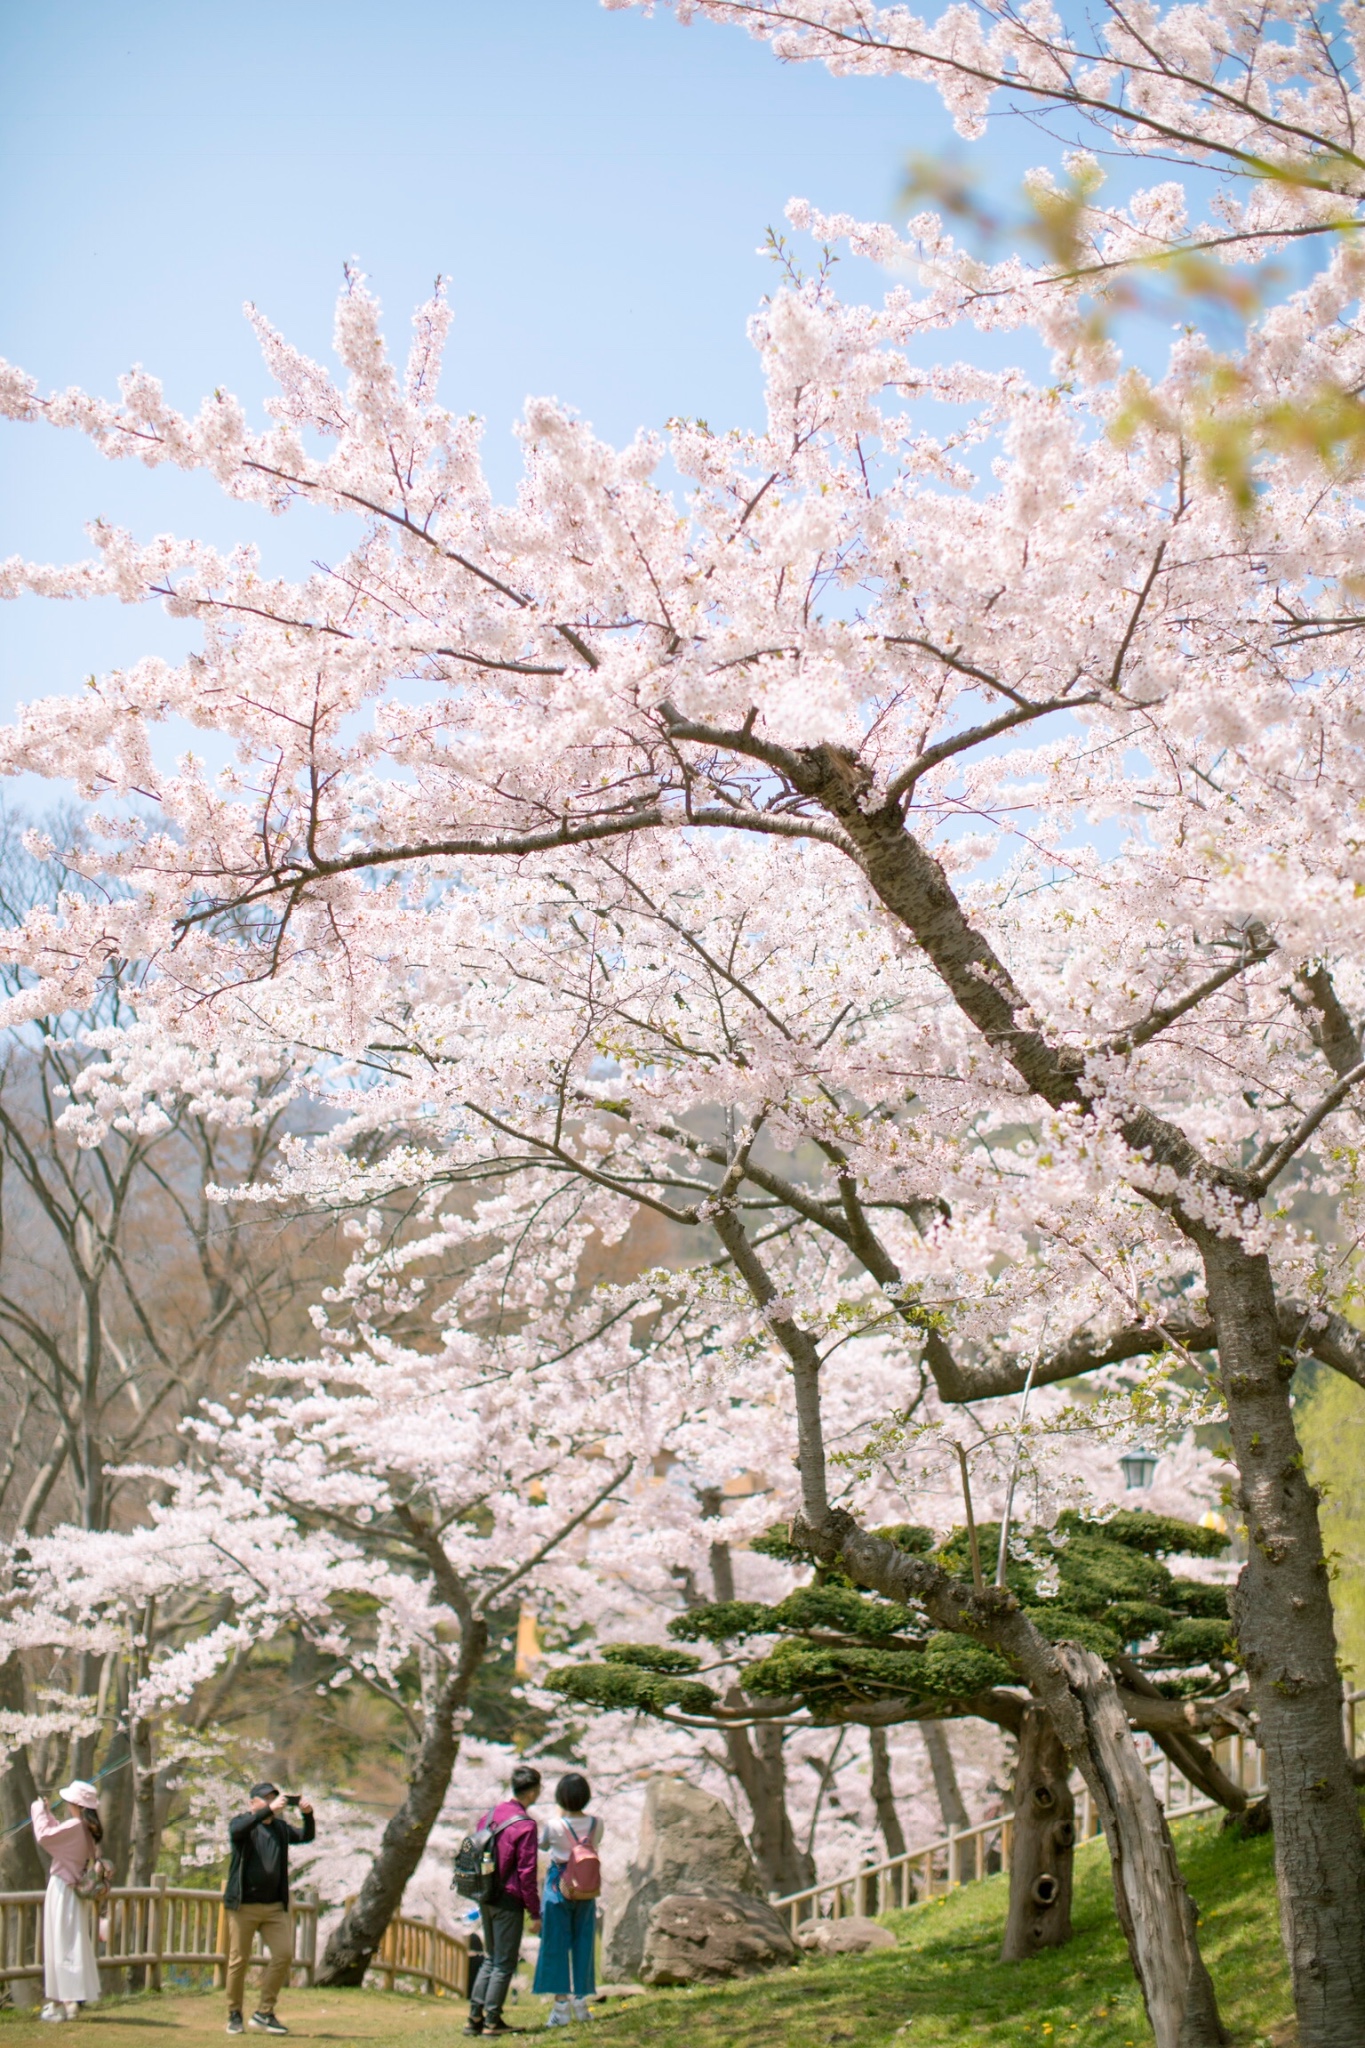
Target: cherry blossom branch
[1156,1021]
[495,1592]
[1271,1160]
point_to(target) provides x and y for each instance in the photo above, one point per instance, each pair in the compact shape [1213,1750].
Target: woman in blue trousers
[568,1927]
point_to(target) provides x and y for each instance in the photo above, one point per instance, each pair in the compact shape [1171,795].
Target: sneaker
[580,2009]
[494,2023]
[560,2015]
[474,2024]
[266,2023]
[52,2012]
[234,2025]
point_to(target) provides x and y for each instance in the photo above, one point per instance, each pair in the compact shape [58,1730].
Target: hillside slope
[945,1985]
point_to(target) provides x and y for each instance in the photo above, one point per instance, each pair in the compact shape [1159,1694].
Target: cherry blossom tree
[921,886]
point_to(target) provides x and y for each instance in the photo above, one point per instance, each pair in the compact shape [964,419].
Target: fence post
[220,1944]
[308,1901]
[156,1930]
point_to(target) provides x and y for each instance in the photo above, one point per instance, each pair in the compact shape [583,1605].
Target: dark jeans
[502,1924]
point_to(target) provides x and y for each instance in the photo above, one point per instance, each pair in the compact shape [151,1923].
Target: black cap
[265,1790]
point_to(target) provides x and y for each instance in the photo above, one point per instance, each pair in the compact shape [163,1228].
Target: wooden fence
[161,1927]
[965,1854]
[428,1956]
[150,1928]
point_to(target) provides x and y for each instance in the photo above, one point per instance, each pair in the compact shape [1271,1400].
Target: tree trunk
[1044,1843]
[761,1768]
[1283,1614]
[760,1765]
[116,1801]
[88,1674]
[883,1795]
[21,1867]
[352,1943]
[1157,1914]
[950,1801]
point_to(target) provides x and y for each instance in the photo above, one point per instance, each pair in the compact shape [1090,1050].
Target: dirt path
[189,2019]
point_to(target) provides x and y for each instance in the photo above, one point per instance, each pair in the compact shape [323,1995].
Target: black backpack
[476,1864]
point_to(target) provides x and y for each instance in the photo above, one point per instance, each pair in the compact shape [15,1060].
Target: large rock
[688,1840]
[852,1936]
[697,1936]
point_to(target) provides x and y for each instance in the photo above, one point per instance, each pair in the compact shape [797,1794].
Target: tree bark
[951,1804]
[1158,1916]
[353,1942]
[146,1835]
[1044,1843]
[21,1867]
[883,1794]
[1282,1611]
[116,1802]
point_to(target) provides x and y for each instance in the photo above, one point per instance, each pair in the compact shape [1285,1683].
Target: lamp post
[1138,1467]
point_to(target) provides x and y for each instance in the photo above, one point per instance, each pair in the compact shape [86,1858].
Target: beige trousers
[275,1926]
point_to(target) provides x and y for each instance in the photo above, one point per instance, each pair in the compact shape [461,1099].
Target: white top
[558,1836]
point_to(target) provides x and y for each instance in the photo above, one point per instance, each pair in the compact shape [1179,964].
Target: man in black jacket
[257,1901]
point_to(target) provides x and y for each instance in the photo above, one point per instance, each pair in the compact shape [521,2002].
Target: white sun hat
[80,1792]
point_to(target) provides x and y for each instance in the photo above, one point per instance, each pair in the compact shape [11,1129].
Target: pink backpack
[580,1875]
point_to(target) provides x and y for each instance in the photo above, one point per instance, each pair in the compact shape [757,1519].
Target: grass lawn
[941,1988]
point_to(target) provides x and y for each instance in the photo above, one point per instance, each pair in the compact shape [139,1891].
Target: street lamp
[1138,1467]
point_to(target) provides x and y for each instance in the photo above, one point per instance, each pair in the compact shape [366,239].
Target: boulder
[850,1937]
[697,1936]
[688,1841]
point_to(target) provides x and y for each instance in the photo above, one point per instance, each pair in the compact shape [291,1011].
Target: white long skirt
[69,1967]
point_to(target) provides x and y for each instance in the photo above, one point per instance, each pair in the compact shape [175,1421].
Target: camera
[292,1798]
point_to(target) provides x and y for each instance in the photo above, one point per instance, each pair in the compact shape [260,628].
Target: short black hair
[525,1778]
[573,1792]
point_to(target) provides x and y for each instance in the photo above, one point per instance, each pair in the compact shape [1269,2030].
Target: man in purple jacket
[517,1894]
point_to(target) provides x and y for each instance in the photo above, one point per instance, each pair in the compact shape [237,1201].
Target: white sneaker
[560,2015]
[52,2012]
[581,2009]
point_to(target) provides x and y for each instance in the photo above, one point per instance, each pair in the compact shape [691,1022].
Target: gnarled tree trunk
[1156,1912]
[1044,1843]
[353,1942]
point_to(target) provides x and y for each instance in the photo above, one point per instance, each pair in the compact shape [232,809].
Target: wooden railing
[151,1928]
[431,1957]
[965,1854]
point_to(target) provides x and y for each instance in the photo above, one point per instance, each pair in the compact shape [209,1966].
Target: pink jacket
[68,1842]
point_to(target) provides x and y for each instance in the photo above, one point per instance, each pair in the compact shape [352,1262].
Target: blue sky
[595,186]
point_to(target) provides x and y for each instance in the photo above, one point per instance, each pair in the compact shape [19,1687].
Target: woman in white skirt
[71,1976]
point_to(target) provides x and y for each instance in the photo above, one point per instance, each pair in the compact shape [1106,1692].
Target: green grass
[942,1985]
[945,1985]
